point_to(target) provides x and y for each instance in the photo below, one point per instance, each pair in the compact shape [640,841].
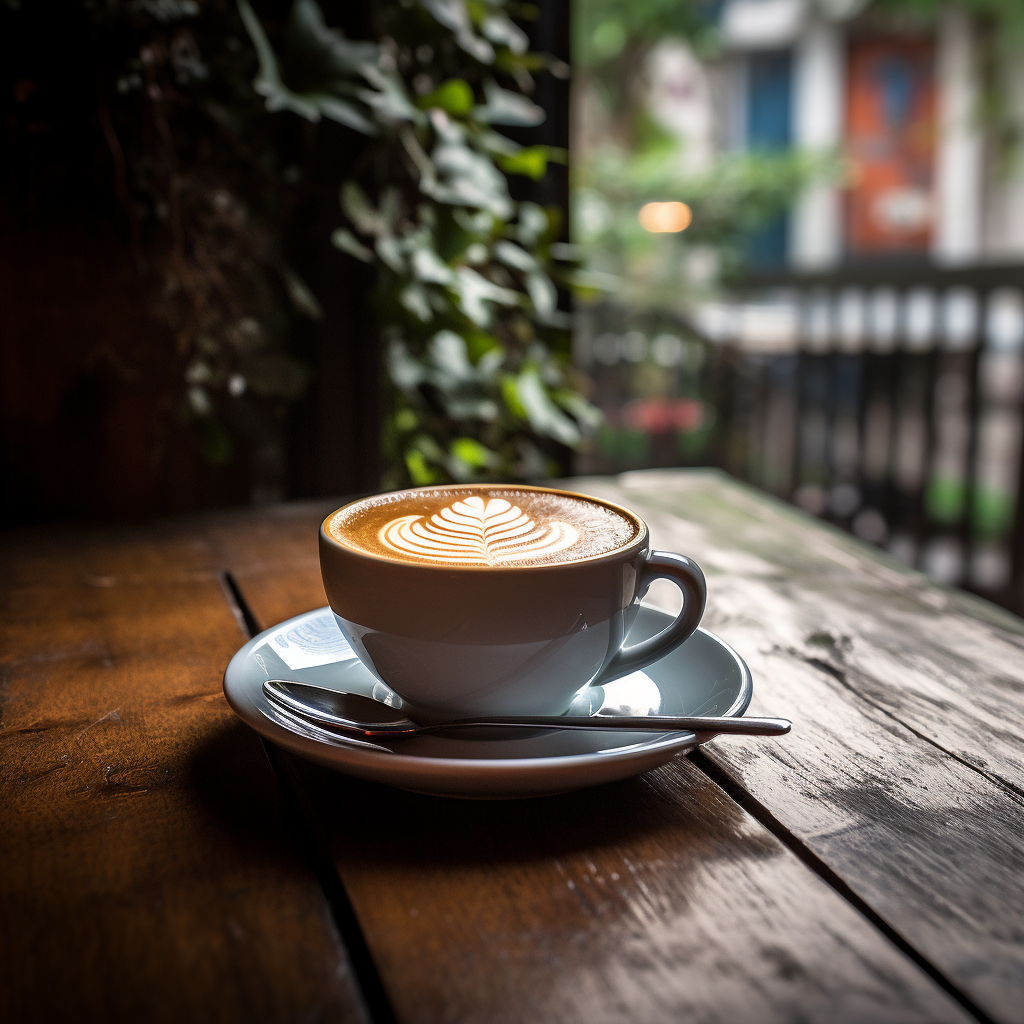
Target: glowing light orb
[665,217]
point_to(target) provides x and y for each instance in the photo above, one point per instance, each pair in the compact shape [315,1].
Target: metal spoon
[352,712]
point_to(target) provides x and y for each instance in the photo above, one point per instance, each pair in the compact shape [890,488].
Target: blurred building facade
[869,366]
[903,104]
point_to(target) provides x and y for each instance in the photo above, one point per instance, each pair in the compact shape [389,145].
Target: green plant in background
[729,201]
[945,499]
[612,40]
[476,349]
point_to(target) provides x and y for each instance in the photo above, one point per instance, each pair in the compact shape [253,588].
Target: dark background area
[91,379]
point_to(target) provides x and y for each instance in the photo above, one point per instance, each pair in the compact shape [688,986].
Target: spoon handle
[291,698]
[643,723]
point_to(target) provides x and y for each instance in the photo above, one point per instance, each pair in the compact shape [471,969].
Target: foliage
[1008,15]
[669,272]
[199,191]
[606,30]
[612,40]
[477,351]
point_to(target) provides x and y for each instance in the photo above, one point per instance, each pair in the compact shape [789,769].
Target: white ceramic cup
[456,641]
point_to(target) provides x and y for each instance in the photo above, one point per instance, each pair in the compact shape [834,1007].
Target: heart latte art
[482,526]
[478,531]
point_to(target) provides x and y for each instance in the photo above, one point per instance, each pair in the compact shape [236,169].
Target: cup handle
[687,576]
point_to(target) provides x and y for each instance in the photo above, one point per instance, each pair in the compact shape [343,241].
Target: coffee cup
[485,599]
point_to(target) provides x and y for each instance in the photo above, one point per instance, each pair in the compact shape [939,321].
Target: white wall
[956,237]
[819,66]
[1004,209]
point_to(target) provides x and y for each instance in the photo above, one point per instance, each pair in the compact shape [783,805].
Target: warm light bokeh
[665,217]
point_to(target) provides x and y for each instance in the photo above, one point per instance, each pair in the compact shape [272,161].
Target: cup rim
[627,550]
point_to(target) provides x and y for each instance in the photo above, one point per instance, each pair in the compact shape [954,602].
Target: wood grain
[149,870]
[949,665]
[902,769]
[657,899]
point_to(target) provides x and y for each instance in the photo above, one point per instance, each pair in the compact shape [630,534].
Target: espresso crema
[490,526]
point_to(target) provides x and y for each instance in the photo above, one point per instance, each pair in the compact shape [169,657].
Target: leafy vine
[477,350]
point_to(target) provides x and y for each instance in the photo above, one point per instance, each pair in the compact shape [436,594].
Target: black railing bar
[1016,543]
[968,523]
[900,514]
[933,360]
[983,276]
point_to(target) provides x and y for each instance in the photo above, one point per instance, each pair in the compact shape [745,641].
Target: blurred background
[841,322]
[788,242]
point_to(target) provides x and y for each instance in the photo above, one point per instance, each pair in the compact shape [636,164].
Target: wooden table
[160,863]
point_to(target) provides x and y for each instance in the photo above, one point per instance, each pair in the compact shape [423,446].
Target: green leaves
[469,457]
[453,97]
[359,210]
[466,177]
[323,74]
[475,294]
[531,162]
[316,49]
[510,108]
[343,239]
[545,417]
[476,349]
[453,15]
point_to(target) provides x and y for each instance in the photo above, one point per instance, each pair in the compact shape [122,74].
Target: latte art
[479,532]
[482,526]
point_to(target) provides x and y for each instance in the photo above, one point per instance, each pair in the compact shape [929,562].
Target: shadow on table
[673,807]
[230,778]
[369,820]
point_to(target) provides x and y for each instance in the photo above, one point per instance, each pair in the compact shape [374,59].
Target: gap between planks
[315,849]
[367,975]
[732,788]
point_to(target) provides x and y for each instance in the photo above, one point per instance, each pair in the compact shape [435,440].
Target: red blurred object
[890,130]
[658,415]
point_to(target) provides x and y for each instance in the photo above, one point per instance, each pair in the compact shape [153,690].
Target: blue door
[770,129]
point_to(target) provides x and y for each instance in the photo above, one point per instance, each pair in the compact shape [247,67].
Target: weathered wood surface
[903,772]
[947,664]
[148,870]
[657,899]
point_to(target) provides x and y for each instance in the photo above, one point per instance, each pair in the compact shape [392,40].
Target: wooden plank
[903,767]
[278,538]
[656,899]
[149,870]
[947,664]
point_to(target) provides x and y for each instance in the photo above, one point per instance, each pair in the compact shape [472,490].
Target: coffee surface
[481,526]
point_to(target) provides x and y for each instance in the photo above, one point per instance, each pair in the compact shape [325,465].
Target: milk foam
[482,527]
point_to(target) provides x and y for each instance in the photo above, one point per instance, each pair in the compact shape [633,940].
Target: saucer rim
[526,767]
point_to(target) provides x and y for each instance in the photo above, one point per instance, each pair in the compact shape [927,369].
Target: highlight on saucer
[479,532]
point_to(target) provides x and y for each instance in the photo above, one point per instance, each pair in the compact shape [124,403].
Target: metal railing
[887,399]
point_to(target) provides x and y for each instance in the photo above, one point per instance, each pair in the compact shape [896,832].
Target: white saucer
[702,677]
